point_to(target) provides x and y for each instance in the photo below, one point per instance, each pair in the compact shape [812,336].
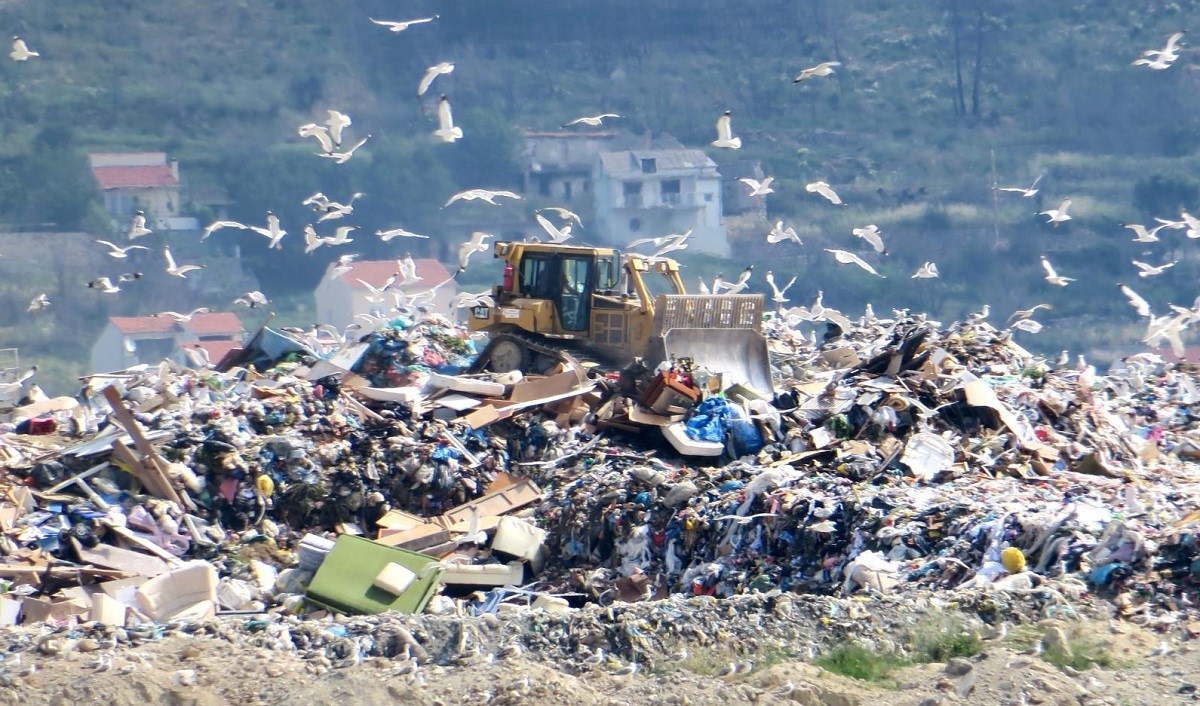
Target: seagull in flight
[401,25]
[1027,325]
[119,252]
[442,68]
[1160,59]
[138,227]
[446,131]
[848,258]
[335,123]
[376,295]
[320,132]
[104,285]
[20,51]
[178,270]
[873,236]
[342,266]
[218,225]
[743,281]
[466,300]
[777,294]
[1148,270]
[1029,192]
[129,276]
[482,195]
[387,235]
[1186,221]
[272,231]
[408,270]
[1058,215]
[333,209]
[557,235]
[38,303]
[1140,305]
[1053,277]
[758,188]
[778,234]
[182,318]
[475,244]
[252,299]
[659,241]
[1143,235]
[565,214]
[344,156]
[593,120]
[725,136]
[823,189]
[1020,314]
[927,271]
[825,68]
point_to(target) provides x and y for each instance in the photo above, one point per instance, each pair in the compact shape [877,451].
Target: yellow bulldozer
[617,307]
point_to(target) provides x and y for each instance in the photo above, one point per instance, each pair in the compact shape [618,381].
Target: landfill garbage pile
[893,457]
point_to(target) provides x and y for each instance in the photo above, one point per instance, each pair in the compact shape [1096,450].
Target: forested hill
[930,98]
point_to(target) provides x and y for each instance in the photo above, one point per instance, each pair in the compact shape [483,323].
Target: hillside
[933,104]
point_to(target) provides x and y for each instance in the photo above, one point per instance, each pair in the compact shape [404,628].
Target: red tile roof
[215,323]
[216,349]
[134,177]
[376,272]
[142,324]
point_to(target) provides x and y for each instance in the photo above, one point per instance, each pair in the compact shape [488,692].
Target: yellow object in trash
[1013,560]
[266,488]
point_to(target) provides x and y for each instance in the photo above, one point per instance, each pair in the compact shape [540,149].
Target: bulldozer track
[553,349]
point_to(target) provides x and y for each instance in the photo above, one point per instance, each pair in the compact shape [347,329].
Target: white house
[648,193]
[558,164]
[341,297]
[131,340]
[130,181]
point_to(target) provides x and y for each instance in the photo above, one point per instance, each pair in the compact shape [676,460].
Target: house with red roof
[132,181]
[341,296]
[132,340]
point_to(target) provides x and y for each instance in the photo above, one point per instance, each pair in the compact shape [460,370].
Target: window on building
[649,165]
[671,192]
[708,198]
[544,185]
[632,191]
[567,189]
[635,224]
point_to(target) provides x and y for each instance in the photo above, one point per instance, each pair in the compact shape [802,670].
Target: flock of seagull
[333,143]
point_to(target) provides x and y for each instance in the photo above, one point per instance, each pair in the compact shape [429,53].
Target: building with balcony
[648,193]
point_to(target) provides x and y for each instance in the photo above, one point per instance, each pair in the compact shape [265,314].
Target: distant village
[625,186]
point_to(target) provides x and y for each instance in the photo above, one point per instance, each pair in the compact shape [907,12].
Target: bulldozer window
[535,277]
[575,293]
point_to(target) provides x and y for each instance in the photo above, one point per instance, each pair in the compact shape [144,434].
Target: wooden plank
[498,503]
[155,480]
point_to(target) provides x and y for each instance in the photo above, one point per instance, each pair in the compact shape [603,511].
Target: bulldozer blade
[739,354]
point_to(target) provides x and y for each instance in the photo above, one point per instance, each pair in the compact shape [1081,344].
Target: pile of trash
[896,456]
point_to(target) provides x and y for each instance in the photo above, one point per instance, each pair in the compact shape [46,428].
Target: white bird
[38,303]
[819,312]
[104,285]
[178,270]
[138,227]
[273,232]
[565,214]
[401,25]
[1157,64]
[387,235]
[441,68]
[759,188]
[312,241]
[475,244]
[344,155]
[703,286]
[1170,52]
[342,266]
[20,51]
[825,68]
[182,318]
[320,132]
[778,234]
[1165,328]
[1027,325]
[466,300]
[776,292]
[928,270]
[318,201]
[217,225]
[119,252]
[129,276]
[593,120]
[557,235]
[873,236]
[1140,305]
[1029,192]
[626,671]
[722,287]
[447,131]
[335,123]
[1186,221]
[252,299]
[408,270]
[676,242]
[730,672]
[1053,277]
[725,136]
[376,295]
[487,195]
[823,189]
[849,258]
[1058,215]
[340,236]
[332,209]
[658,241]
[1026,313]
[1143,235]
[1148,270]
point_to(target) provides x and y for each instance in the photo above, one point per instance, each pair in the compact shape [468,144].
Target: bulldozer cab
[568,279]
